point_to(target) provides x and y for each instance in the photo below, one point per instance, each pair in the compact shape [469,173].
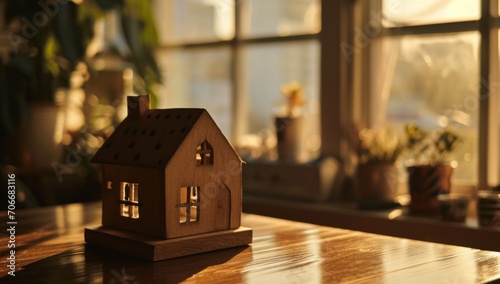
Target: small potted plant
[289,123]
[376,174]
[429,174]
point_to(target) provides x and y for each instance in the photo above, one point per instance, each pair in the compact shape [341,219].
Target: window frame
[132,203]
[204,154]
[239,42]
[487,26]
[188,204]
[345,82]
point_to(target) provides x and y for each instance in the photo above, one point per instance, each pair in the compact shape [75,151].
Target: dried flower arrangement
[294,95]
[430,170]
[428,151]
[422,147]
[426,147]
[374,146]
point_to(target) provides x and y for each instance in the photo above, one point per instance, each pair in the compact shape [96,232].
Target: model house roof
[147,137]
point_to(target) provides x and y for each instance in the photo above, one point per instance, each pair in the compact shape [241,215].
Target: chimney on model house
[137,106]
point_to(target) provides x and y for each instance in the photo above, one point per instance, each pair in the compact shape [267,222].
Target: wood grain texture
[158,249]
[156,149]
[392,222]
[219,182]
[151,219]
[51,249]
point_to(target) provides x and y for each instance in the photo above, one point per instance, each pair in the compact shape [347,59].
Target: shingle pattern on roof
[150,141]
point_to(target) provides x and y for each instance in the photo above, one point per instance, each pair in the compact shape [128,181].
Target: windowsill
[386,222]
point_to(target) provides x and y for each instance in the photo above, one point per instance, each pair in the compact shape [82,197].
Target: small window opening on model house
[129,200]
[189,204]
[204,154]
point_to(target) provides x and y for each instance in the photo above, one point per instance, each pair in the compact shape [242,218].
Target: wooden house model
[171,185]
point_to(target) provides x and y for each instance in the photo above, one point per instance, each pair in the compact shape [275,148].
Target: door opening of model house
[189,204]
[129,200]
[204,154]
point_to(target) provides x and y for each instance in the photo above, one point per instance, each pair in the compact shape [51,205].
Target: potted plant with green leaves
[31,71]
[429,170]
[289,123]
[377,150]
[46,42]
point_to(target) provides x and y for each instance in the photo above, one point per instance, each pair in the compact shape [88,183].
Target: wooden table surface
[50,249]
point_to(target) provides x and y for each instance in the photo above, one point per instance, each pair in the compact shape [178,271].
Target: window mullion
[334,96]
[493,139]
[375,60]
[238,103]
[484,88]
[430,29]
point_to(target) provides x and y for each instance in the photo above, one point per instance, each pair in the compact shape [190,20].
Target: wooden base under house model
[172,185]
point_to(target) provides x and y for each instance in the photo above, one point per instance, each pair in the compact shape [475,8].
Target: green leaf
[142,10]
[49,53]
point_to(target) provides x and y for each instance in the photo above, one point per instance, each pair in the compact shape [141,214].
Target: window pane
[182,215]
[135,212]
[194,194]
[494,133]
[183,195]
[200,79]
[125,191]
[409,12]
[134,192]
[124,210]
[432,81]
[280,17]
[194,20]
[266,68]
[193,214]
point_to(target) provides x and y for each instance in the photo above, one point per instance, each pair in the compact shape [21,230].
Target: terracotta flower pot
[376,181]
[425,183]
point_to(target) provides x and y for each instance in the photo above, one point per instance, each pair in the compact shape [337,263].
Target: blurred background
[68,65]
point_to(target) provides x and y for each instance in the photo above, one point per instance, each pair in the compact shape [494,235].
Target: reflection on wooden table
[50,249]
